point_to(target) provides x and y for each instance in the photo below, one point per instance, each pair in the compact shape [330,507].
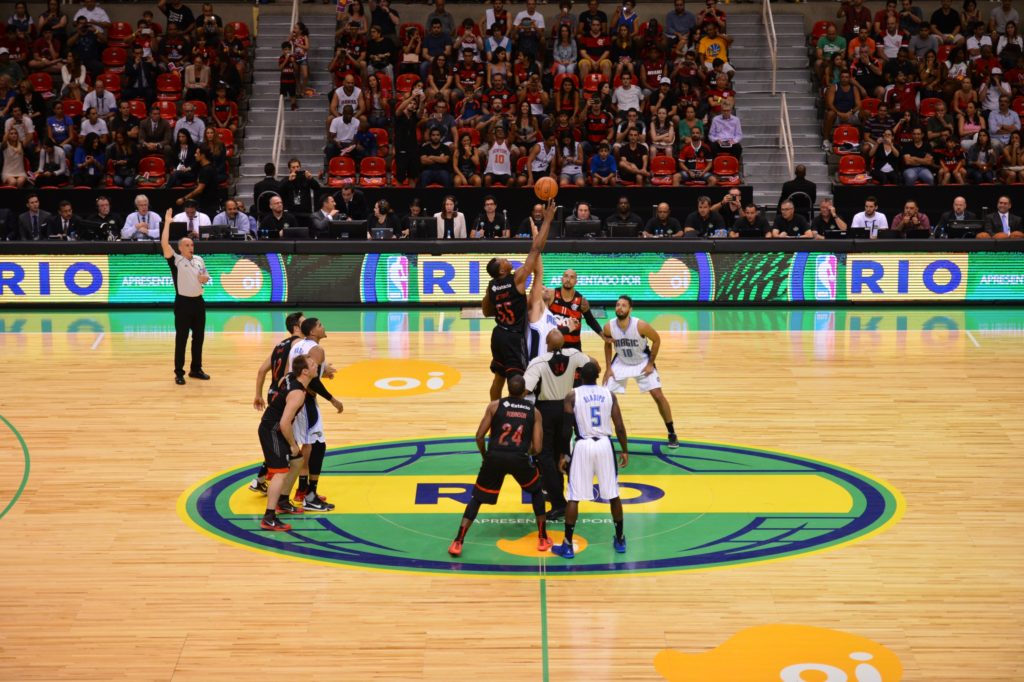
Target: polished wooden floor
[103,580]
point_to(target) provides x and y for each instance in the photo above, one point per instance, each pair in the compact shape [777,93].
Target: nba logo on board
[398,278]
[825,269]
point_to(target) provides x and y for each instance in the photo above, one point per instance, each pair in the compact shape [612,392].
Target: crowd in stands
[586,99]
[915,100]
[86,102]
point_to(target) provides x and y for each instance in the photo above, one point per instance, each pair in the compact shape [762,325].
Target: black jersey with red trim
[512,427]
[509,303]
[565,312]
[278,365]
[275,408]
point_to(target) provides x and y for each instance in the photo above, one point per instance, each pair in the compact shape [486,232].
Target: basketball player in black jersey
[275,364]
[568,307]
[505,301]
[516,432]
[281,453]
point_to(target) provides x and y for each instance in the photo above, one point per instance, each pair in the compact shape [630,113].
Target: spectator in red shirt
[596,49]
[598,126]
[854,16]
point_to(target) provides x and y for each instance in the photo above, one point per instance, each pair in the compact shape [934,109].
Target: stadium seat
[42,83]
[726,168]
[562,76]
[405,83]
[592,83]
[383,142]
[153,172]
[853,170]
[137,108]
[373,172]
[927,106]
[474,135]
[662,170]
[386,85]
[341,171]
[168,110]
[114,59]
[394,177]
[112,81]
[227,138]
[845,140]
[202,111]
[73,108]
[1018,105]
[521,167]
[168,87]
[819,29]
[870,105]
[943,54]
[119,34]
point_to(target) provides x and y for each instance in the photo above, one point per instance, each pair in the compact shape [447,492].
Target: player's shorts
[591,458]
[277,454]
[308,425]
[622,373]
[508,352]
[496,466]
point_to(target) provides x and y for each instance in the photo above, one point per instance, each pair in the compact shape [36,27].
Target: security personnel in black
[189,274]
[549,377]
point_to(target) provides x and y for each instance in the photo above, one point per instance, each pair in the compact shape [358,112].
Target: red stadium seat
[153,171]
[227,138]
[819,29]
[845,140]
[168,110]
[943,54]
[662,170]
[394,177]
[474,135]
[853,170]
[726,169]
[521,167]
[42,83]
[870,105]
[73,108]
[405,83]
[112,81]
[593,82]
[927,106]
[114,59]
[341,172]
[168,87]
[562,76]
[202,111]
[373,172]
[1018,105]
[383,141]
[137,108]
[119,34]
[386,85]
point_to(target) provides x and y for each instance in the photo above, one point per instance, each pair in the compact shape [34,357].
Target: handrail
[768,19]
[786,133]
[279,134]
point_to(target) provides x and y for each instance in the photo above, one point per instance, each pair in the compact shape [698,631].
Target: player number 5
[595,415]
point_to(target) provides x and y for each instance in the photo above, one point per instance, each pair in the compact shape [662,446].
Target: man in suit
[268,184]
[33,223]
[800,184]
[321,220]
[351,204]
[959,212]
[1002,224]
[154,134]
[65,224]
[140,77]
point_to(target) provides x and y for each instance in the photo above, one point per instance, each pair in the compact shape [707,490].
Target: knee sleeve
[538,503]
[316,458]
[471,509]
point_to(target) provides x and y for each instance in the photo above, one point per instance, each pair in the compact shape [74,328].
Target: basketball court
[846,503]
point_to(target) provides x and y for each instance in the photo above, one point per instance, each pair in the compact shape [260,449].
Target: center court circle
[392,378]
[704,505]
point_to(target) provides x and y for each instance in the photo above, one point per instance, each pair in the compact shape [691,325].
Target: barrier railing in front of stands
[279,134]
[786,133]
[773,41]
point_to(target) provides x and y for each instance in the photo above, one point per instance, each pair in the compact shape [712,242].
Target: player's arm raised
[165,235]
[588,315]
[485,426]
[261,376]
[537,290]
[620,433]
[647,331]
[539,242]
[608,349]
[293,403]
[569,404]
[538,433]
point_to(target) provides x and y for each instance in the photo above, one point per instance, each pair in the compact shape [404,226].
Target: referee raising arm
[189,274]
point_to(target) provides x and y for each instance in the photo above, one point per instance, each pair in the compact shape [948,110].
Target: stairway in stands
[764,163]
[304,128]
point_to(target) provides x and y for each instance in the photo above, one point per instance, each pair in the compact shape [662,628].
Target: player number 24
[507,434]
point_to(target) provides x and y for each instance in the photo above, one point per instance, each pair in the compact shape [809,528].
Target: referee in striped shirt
[189,274]
[550,377]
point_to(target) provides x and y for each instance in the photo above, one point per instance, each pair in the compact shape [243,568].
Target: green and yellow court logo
[701,506]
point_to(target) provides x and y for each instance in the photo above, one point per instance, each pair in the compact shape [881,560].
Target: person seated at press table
[142,224]
[351,204]
[958,213]
[235,219]
[827,219]
[193,219]
[490,222]
[749,220]
[730,207]
[108,221]
[704,222]
[320,220]
[623,221]
[662,224]
[384,216]
[530,225]
[33,223]
[790,224]
[64,225]
[273,224]
[1002,224]
[910,219]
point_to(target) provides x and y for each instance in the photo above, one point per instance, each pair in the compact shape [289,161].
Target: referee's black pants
[553,414]
[189,316]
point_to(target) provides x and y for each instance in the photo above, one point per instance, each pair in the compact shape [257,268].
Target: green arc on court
[701,506]
[25,471]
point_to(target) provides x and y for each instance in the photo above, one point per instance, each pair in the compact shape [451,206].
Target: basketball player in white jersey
[541,320]
[308,425]
[634,358]
[499,160]
[594,411]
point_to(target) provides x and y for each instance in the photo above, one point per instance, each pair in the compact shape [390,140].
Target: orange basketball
[546,188]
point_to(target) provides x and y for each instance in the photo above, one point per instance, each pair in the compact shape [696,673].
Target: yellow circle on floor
[394,378]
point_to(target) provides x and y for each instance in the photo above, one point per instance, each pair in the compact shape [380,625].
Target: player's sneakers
[274,524]
[302,493]
[314,503]
[544,544]
[258,486]
[564,550]
[455,549]
[556,514]
[673,441]
[619,545]
[288,508]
